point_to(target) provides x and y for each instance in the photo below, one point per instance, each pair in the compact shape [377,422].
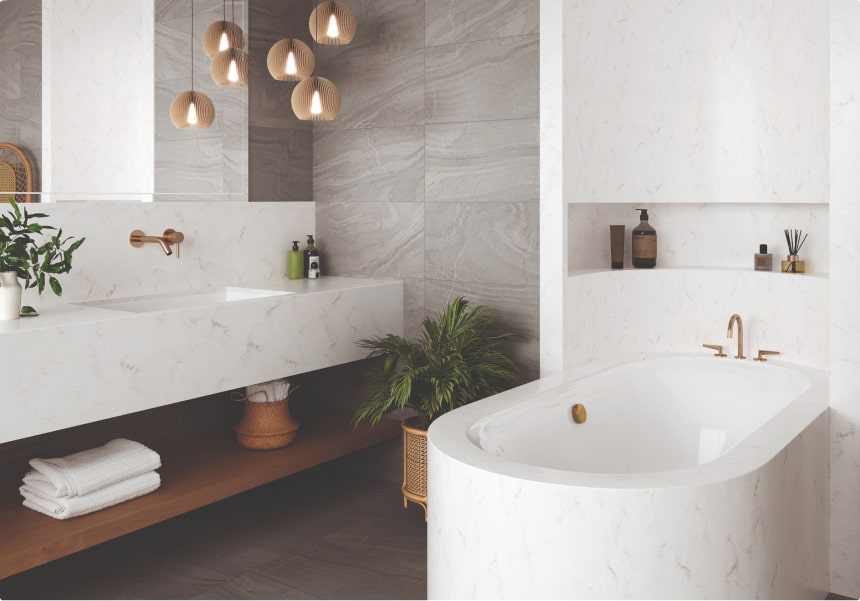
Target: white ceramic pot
[10,296]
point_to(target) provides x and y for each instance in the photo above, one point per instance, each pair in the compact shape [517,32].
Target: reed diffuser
[795,240]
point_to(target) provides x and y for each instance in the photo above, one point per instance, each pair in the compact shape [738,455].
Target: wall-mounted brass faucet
[137,239]
[737,318]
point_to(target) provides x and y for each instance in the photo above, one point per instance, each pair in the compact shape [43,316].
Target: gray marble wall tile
[20,76]
[488,161]
[378,239]
[517,304]
[495,243]
[413,307]
[483,81]
[454,21]
[379,90]
[383,26]
[192,165]
[280,163]
[370,165]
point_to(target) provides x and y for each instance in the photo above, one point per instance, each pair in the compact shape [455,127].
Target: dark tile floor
[331,532]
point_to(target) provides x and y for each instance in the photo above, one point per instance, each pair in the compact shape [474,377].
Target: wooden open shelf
[195,473]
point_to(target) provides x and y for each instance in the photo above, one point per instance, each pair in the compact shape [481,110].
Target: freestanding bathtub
[692,477]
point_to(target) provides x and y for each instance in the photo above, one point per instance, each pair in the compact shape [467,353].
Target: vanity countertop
[76,364]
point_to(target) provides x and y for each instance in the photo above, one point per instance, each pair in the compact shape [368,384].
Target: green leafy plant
[30,250]
[460,357]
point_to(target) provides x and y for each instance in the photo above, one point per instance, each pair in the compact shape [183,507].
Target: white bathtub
[692,477]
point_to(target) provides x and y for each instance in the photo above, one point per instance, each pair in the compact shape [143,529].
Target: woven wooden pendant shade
[333,23]
[219,33]
[282,68]
[183,116]
[315,99]
[230,68]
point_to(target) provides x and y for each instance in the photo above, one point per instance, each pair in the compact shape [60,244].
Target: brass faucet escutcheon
[737,318]
[716,347]
[762,353]
[137,239]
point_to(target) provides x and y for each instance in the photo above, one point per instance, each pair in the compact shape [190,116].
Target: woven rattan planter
[266,426]
[415,463]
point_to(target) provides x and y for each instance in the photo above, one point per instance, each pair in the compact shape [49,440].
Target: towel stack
[66,487]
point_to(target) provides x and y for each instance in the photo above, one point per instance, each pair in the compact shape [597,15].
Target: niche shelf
[195,473]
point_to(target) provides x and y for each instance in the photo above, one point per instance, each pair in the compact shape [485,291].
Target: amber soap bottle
[644,242]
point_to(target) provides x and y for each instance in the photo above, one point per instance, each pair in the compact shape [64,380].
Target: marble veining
[453,21]
[750,524]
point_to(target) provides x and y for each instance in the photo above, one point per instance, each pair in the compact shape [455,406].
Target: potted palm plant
[28,251]
[460,357]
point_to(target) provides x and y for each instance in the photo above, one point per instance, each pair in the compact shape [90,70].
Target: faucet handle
[716,347]
[762,353]
[171,236]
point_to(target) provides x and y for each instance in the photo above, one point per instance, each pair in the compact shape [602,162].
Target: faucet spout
[138,239]
[732,320]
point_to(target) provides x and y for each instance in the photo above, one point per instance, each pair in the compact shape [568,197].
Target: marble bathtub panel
[615,312]
[482,81]
[736,92]
[516,304]
[378,90]
[453,21]
[492,243]
[491,161]
[224,347]
[384,26]
[379,164]
[219,238]
[760,535]
[701,235]
[279,164]
[378,239]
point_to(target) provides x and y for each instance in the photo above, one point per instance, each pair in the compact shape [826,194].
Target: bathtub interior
[654,415]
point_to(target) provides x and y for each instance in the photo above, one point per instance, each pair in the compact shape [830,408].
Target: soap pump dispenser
[295,266]
[644,242]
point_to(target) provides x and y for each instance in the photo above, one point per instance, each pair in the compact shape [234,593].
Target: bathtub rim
[449,434]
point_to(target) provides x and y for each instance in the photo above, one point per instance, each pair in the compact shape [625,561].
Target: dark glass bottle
[307,253]
[644,242]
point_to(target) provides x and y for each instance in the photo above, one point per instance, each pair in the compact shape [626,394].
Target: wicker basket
[266,426]
[414,463]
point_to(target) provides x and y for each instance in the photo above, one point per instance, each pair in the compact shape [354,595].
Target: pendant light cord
[192,49]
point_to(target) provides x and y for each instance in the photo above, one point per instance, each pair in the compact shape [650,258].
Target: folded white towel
[90,470]
[70,507]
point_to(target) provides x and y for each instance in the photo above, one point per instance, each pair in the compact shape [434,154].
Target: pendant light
[290,59]
[332,23]
[192,109]
[229,67]
[221,35]
[315,99]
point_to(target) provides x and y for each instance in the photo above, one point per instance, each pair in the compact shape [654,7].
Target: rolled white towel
[70,507]
[82,473]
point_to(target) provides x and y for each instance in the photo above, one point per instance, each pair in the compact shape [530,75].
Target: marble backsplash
[235,244]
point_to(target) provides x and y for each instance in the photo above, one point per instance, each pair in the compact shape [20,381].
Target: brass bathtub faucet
[137,239]
[737,318]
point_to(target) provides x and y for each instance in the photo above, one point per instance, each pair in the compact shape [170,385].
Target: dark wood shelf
[194,473]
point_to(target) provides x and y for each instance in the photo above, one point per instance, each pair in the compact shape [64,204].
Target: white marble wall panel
[760,535]
[616,312]
[844,292]
[226,244]
[696,101]
[706,235]
[99,107]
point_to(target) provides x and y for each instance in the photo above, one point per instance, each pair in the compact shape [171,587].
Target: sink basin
[182,300]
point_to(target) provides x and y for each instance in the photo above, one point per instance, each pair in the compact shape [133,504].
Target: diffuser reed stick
[795,240]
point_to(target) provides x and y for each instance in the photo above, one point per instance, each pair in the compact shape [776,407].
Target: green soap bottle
[295,263]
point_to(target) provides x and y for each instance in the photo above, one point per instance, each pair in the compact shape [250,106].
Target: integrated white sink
[182,300]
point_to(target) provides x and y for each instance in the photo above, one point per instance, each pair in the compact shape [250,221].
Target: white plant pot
[10,296]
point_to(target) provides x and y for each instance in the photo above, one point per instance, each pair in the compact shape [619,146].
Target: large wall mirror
[85,91]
